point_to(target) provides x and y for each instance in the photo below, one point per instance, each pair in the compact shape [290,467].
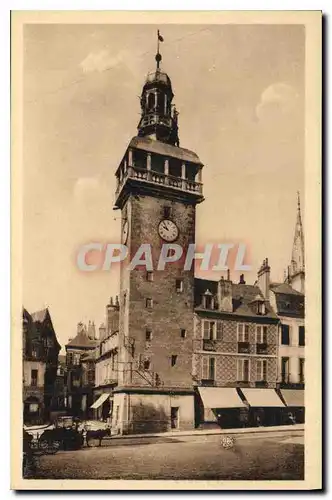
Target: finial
[298,202]
[158,55]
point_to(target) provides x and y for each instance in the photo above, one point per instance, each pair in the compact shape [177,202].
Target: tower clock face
[125,230]
[168,230]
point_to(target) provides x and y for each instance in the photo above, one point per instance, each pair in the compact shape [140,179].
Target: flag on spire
[160,38]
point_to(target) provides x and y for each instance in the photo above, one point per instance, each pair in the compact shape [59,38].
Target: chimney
[102,332]
[264,279]
[242,282]
[92,330]
[225,295]
[112,315]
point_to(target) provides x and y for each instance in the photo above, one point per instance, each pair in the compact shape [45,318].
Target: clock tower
[159,185]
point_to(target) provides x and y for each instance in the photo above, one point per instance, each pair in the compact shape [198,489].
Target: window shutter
[239,332]
[239,369]
[205,368]
[206,329]
[246,370]
[212,368]
[219,330]
[259,370]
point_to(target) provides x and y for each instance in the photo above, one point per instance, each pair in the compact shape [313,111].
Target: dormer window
[261,308]
[208,300]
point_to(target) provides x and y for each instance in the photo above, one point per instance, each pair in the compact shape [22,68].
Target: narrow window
[183,333]
[301,370]
[285,334]
[208,302]
[149,276]
[34,378]
[261,370]
[206,330]
[285,370]
[219,330]
[148,335]
[243,370]
[173,359]
[212,327]
[212,366]
[243,332]
[149,303]
[146,364]
[301,336]
[179,285]
[167,212]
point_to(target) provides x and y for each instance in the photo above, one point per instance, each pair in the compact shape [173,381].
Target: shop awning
[262,398]
[100,401]
[293,397]
[220,397]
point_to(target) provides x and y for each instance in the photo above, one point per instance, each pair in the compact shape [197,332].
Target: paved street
[274,455]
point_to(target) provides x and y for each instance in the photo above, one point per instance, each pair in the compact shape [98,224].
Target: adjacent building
[79,377]
[288,300]
[106,378]
[235,355]
[40,362]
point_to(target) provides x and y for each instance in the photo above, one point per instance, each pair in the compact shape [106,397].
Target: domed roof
[158,76]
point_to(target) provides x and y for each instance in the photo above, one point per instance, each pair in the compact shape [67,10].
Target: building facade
[235,359]
[79,358]
[40,361]
[106,377]
[288,300]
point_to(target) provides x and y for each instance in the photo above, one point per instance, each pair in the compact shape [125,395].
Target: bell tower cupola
[159,117]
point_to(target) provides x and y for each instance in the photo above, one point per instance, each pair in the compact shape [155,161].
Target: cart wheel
[43,445]
[54,447]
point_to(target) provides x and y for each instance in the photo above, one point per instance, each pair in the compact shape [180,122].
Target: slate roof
[40,316]
[242,294]
[289,302]
[82,340]
[153,146]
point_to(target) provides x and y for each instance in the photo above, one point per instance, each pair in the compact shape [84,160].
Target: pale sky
[240,93]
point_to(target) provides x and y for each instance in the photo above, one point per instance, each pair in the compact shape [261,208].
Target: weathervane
[158,55]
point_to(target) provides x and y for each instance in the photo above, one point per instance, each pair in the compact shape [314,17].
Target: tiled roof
[82,340]
[40,316]
[153,146]
[284,288]
[243,295]
[289,302]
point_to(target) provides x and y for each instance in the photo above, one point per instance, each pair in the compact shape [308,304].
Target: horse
[97,434]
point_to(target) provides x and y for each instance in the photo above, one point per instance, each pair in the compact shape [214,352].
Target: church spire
[297,267]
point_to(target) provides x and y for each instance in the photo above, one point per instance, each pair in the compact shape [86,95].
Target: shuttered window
[243,370]
[242,332]
[261,370]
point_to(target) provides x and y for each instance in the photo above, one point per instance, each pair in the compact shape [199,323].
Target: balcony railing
[160,178]
[209,345]
[208,382]
[243,347]
[261,348]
